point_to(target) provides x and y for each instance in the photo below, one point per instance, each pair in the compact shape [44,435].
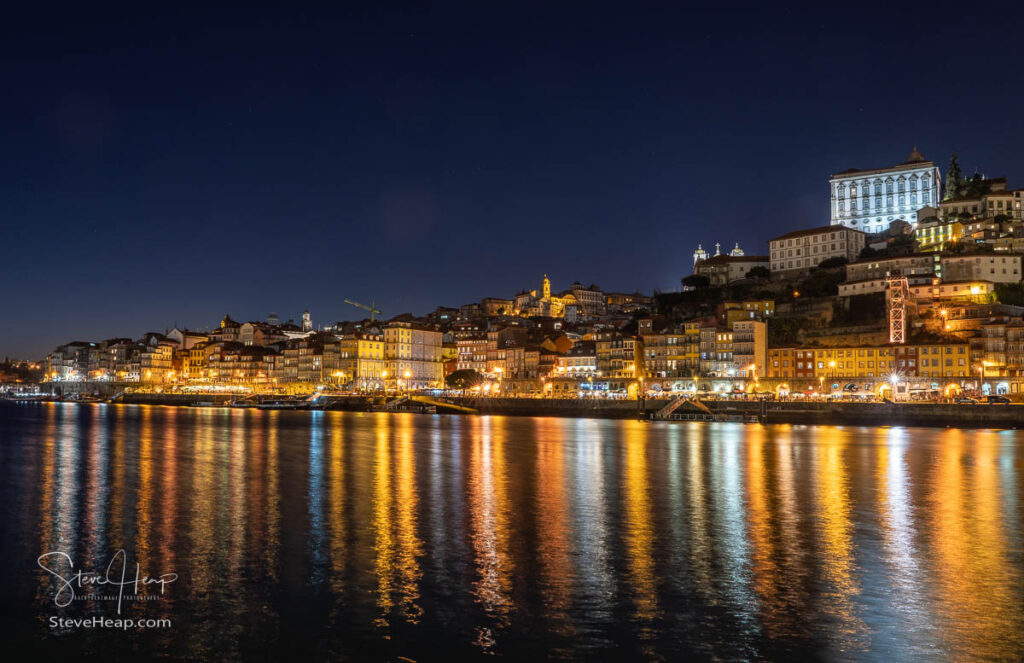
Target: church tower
[547,287]
[699,254]
[307,321]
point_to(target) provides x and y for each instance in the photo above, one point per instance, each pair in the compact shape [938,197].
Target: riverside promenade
[944,415]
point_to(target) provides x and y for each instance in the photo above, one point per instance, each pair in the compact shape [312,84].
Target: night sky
[175,167]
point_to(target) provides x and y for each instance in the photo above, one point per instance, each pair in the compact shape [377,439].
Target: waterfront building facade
[414,355]
[749,348]
[672,353]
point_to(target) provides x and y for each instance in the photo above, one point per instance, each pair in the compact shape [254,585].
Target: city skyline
[144,183]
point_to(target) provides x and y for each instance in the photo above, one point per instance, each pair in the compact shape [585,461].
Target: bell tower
[546,290]
[699,254]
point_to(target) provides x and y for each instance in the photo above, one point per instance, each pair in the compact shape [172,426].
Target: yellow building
[618,356]
[753,309]
[193,364]
[414,356]
[672,353]
[938,360]
[907,363]
[355,360]
[156,364]
[858,362]
[781,363]
[935,235]
[543,303]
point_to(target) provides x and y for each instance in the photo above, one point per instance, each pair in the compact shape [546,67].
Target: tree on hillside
[696,281]
[976,187]
[823,284]
[954,179]
[1010,293]
[465,378]
[759,272]
[867,253]
[832,263]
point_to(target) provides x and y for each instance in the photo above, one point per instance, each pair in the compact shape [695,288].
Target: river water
[373,536]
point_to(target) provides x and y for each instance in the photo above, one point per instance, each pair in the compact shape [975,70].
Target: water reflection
[331,533]
[489,515]
[639,531]
[838,594]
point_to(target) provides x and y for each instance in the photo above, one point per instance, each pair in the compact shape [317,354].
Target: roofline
[910,165]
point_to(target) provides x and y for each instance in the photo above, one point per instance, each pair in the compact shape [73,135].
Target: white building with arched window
[869,200]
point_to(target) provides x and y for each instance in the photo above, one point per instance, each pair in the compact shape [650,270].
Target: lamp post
[384,381]
[407,375]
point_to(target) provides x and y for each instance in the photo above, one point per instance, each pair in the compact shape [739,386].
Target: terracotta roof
[814,231]
[907,165]
[726,259]
[888,258]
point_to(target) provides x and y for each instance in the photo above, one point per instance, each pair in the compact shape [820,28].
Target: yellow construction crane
[373,311]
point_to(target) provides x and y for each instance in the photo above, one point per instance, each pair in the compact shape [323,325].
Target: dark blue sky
[173,167]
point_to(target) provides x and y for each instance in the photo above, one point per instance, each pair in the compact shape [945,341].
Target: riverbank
[786,412]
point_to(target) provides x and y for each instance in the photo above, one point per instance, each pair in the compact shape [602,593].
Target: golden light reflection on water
[384,545]
[489,514]
[835,529]
[863,543]
[48,492]
[336,499]
[702,554]
[272,508]
[980,585]
[554,546]
[407,498]
[144,500]
[118,468]
[202,573]
[765,565]
[639,531]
